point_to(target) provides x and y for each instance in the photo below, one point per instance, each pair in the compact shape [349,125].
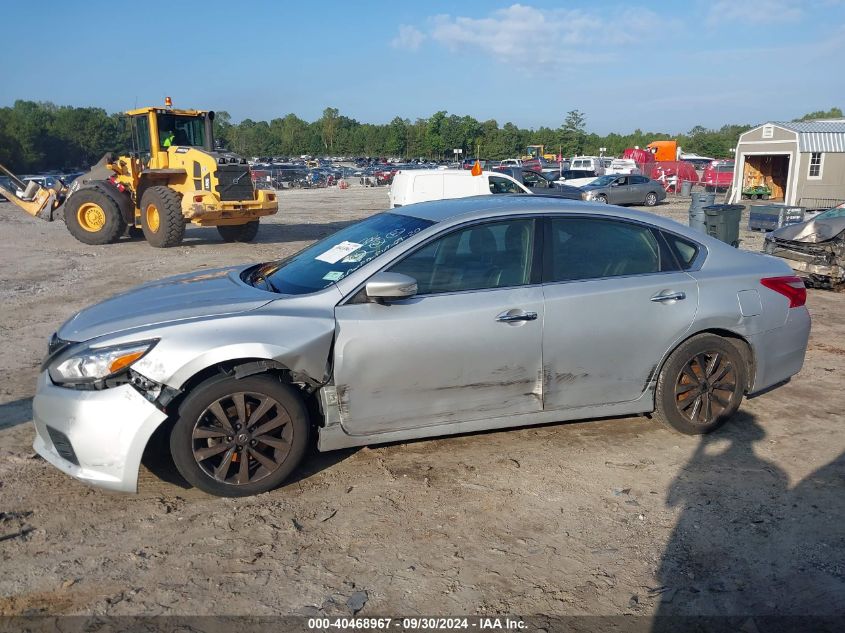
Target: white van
[593,163]
[422,185]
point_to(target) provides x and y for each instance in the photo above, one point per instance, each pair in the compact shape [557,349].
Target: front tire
[161,217]
[601,199]
[701,385]
[651,199]
[93,217]
[240,232]
[239,437]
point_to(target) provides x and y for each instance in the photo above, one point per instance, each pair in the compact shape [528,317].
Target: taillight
[790,287]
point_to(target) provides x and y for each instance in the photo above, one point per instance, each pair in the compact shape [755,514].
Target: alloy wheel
[242,438]
[705,387]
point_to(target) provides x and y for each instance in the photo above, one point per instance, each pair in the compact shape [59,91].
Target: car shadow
[745,545]
[15,412]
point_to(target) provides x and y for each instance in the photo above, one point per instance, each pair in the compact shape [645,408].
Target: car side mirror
[384,287]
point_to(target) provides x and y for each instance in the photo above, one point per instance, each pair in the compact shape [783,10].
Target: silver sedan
[624,189]
[439,318]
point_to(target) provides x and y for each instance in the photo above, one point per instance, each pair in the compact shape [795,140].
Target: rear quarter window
[685,250]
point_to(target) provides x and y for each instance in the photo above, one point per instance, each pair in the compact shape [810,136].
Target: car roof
[509,204]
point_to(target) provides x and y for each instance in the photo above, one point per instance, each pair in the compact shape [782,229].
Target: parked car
[424,185]
[441,318]
[633,189]
[576,177]
[469,163]
[698,162]
[541,184]
[623,166]
[718,174]
[590,163]
[814,249]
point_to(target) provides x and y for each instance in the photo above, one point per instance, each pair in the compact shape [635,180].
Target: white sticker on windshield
[336,253]
[333,275]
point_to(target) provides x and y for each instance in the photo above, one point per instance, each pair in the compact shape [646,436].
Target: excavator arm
[36,200]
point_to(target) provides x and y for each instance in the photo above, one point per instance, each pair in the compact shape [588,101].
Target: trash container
[723,222]
[768,217]
[686,187]
[698,201]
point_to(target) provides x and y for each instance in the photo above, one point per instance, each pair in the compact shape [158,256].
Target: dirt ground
[615,516]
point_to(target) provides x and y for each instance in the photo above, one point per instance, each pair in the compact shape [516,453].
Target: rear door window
[596,248]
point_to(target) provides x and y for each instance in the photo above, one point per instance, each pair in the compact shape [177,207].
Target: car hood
[812,231]
[194,295]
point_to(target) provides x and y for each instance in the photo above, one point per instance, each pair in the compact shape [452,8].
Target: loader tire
[161,217]
[239,232]
[93,217]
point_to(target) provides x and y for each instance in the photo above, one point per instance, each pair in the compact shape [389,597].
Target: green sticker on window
[333,275]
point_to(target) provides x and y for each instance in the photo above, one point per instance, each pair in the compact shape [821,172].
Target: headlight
[96,363]
[588,195]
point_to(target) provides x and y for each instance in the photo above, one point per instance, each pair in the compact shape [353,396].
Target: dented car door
[467,347]
[616,303]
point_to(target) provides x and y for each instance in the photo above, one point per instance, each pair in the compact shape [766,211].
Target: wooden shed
[800,162]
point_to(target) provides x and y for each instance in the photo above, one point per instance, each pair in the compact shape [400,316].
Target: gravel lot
[616,516]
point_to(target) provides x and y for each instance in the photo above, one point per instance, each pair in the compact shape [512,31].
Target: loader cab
[150,127]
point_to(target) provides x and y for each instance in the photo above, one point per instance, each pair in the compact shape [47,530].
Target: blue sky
[657,66]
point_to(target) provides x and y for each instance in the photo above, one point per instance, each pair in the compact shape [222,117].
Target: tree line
[39,136]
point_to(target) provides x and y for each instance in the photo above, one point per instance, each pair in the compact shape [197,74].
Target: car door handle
[510,316]
[672,296]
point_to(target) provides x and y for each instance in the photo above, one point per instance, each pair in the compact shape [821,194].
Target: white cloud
[753,12]
[409,38]
[526,35]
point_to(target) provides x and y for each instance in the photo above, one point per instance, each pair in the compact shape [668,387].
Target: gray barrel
[686,188]
[698,201]
[723,222]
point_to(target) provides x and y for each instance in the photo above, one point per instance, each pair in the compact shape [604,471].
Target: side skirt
[333,437]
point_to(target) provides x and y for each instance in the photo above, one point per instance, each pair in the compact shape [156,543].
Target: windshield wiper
[260,275]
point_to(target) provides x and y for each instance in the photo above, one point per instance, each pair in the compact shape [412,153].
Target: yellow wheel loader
[172,176]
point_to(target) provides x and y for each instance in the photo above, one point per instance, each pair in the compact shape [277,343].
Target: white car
[425,185]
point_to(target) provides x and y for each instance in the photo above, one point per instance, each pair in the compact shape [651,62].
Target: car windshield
[333,258]
[603,181]
[836,212]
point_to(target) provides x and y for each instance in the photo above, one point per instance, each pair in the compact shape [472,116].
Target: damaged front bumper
[825,260]
[97,437]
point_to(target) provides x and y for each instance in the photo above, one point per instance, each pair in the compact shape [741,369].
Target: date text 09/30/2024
[417,623]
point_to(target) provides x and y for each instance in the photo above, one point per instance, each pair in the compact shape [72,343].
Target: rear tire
[161,217]
[239,456]
[701,385]
[93,217]
[651,199]
[239,232]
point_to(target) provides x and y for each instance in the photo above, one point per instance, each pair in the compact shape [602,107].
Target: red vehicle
[719,174]
[385,176]
[672,173]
